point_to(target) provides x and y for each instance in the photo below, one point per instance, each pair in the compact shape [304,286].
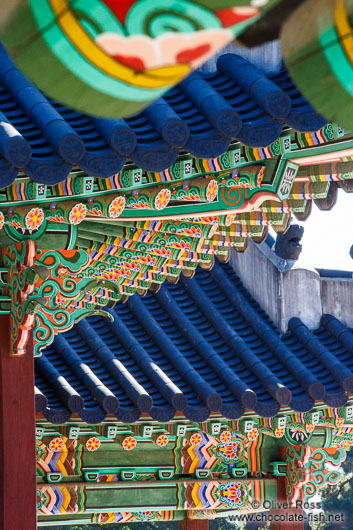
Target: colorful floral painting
[162,440]
[162,199]
[34,218]
[196,439]
[129,443]
[232,450]
[225,436]
[56,445]
[253,435]
[234,495]
[61,455]
[77,214]
[212,190]
[116,207]
[122,54]
[279,433]
[93,444]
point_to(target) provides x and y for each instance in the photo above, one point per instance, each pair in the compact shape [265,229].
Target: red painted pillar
[18,510]
[193,524]
[281,512]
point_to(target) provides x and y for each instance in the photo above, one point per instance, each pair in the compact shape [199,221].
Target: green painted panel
[145,454]
[270,452]
[130,498]
[270,492]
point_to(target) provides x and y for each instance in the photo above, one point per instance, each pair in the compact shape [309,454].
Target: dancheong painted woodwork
[162,391]
[181,436]
[317,49]
[87,473]
[100,241]
[197,464]
[112,58]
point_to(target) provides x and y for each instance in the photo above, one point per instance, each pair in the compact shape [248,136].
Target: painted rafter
[163,227]
[132,178]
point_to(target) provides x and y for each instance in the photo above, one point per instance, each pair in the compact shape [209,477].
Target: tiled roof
[198,346]
[201,115]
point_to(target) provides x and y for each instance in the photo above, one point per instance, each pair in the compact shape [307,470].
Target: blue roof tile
[200,346]
[201,115]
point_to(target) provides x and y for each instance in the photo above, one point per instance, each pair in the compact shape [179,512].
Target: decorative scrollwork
[308,470]
[50,293]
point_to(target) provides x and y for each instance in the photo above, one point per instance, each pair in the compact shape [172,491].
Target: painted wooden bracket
[49,293]
[309,469]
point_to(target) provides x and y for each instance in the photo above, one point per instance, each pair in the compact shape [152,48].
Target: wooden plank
[17,436]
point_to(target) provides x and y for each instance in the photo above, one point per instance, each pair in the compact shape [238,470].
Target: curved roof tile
[202,114]
[200,346]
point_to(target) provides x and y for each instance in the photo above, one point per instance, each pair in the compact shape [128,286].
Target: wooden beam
[18,507]
[156,484]
[193,524]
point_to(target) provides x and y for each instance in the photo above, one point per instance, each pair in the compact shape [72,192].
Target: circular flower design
[309,427]
[2,220]
[212,190]
[162,199]
[253,435]
[116,207]
[77,214]
[339,422]
[56,445]
[34,218]
[196,439]
[225,437]
[279,433]
[162,440]
[129,443]
[93,444]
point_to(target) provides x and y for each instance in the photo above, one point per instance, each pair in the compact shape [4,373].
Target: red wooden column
[193,524]
[18,510]
[280,511]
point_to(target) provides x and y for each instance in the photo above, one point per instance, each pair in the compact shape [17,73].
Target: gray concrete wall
[260,276]
[286,288]
[337,299]
[301,296]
